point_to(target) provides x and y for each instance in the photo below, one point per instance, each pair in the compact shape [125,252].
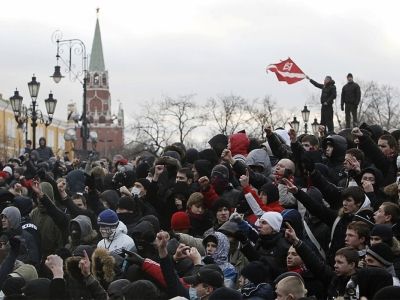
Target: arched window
[102,119]
[96,79]
[104,80]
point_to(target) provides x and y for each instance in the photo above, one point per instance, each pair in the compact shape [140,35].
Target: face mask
[193,294]
[135,191]
[107,232]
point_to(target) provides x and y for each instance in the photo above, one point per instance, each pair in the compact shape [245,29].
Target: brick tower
[108,126]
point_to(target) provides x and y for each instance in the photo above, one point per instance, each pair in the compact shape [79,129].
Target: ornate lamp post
[22,113]
[295,124]
[315,126]
[305,113]
[77,47]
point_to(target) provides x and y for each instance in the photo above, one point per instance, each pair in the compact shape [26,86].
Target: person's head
[10,218]
[141,289]
[310,142]
[329,149]
[222,210]
[108,222]
[28,144]
[357,235]
[180,222]
[381,233]
[269,193]
[353,197]
[42,142]
[349,77]
[195,203]
[254,272]
[379,255]
[351,154]
[184,175]
[346,261]
[290,288]
[204,282]
[79,200]
[388,145]
[327,79]
[210,244]
[293,260]
[284,164]
[140,187]
[269,223]
[387,213]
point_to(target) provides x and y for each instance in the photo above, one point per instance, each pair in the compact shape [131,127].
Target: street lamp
[305,113]
[315,126]
[22,113]
[295,124]
[78,48]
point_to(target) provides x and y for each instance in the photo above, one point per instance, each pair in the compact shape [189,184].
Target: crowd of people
[291,217]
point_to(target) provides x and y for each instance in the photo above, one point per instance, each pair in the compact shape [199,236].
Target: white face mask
[135,191]
[107,232]
[193,293]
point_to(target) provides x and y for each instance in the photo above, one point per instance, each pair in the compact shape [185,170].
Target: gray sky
[161,48]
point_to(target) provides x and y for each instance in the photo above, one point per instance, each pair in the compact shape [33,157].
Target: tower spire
[96,56]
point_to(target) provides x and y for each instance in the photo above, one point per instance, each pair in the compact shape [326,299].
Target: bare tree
[183,115]
[227,113]
[379,104]
[265,111]
[150,128]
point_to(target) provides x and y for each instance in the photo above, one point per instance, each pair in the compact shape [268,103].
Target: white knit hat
[274,219]
[8,170]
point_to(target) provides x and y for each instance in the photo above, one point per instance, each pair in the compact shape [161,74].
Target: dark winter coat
[328,93]
[351,94]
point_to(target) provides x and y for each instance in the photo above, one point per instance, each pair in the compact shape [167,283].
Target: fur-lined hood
[103,265]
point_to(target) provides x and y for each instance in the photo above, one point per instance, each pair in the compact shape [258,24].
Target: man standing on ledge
[328,95]
[351,95]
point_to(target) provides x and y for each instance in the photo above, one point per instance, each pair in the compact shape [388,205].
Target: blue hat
[108,217]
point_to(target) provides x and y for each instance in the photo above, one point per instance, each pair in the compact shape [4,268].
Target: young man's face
[374,240]
[350,206]
[368,177]
[306,145]
[181,177]
[222,215]
[329,150]
[353,240]
[264,228]
[293,260]
[4,222]
[202,290]
[384,146]
[372,262]
[211,247]
[342,267]
[78,202]
[381,217]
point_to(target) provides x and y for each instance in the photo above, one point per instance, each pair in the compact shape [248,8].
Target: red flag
[287,71]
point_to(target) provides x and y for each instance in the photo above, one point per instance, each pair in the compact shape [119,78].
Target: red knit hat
[180,220]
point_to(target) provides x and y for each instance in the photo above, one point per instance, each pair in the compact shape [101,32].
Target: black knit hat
[366,216]
[384,231]
[382,253]
[220,171]
[127,203]
[144,182]
[349,75]
[388,293]
[255,272]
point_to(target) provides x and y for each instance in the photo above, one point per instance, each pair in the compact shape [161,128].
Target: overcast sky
[158,48]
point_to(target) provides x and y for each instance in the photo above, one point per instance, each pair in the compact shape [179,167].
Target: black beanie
[224,293]
[192,155]
[127,203]
[384,231]
[13,286]
[271,191]
[382,253]
[142,170]
[255,272]
[144,182]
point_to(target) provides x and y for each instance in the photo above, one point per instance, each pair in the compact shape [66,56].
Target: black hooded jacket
[328,93]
